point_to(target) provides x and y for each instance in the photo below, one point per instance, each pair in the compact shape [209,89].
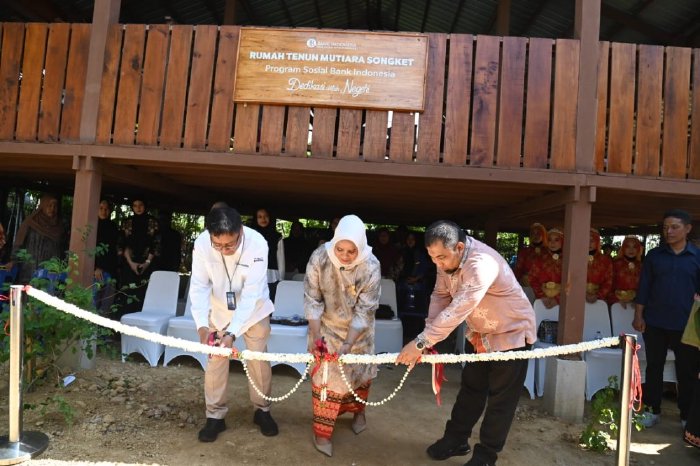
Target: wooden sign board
[332,69]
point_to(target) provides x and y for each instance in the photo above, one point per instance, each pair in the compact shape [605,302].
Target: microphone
[342,268]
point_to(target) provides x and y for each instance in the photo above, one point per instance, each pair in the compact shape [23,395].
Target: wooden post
[105,13]
[230,12]
[86,201]
[577,224]
[502,26]
[587,31]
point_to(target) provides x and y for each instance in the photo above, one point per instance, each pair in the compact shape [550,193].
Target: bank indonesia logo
[311,43]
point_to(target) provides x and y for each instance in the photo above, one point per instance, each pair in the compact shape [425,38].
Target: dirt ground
[129,413]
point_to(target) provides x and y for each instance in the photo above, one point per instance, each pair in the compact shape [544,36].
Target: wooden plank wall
[649,116]
[490,101]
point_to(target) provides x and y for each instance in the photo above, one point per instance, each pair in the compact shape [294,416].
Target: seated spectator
[41,235]
[600,270]
[388,255]
[296,249]
[528,254]
[545,273]
[627,266]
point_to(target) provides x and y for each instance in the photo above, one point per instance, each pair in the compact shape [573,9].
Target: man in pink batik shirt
[475,285]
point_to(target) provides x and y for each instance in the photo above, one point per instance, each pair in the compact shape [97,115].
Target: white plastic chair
[289,301]
[388,333]
[159,305]
[596,321]
[542,313]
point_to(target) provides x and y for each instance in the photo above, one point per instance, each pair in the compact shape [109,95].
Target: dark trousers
[495,386]
[656,343]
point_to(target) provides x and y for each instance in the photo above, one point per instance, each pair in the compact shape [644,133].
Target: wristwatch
[421,344]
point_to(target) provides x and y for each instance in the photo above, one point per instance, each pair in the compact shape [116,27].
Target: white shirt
[247,269]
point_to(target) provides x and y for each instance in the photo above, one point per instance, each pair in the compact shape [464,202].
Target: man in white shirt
[230,299]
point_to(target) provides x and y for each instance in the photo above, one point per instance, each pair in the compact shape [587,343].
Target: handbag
[547,331]
[691,334]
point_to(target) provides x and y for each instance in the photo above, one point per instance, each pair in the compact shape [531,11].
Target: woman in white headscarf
[341,296]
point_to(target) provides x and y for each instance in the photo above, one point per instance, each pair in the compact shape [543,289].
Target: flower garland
[277,398]
[372,403]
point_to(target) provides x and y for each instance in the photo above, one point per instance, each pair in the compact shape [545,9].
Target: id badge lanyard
[230,294]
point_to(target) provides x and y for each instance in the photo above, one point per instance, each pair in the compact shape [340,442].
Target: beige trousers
[217,374]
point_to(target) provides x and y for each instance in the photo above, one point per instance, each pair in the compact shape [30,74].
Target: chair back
[622,321]
[388,294]
[542,313]
[289,299]
[596,319]
[161,293]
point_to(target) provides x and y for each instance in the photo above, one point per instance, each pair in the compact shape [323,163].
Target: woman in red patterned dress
[600,270]
[627,266]
[545,273]
[527,255]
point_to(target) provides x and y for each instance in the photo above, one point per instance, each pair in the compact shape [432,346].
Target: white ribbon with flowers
[307,358]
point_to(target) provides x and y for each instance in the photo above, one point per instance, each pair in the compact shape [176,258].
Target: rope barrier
[308,359]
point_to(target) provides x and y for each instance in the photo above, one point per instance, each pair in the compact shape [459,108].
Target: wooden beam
[587,31]
[502,19]
[532,18]
[318,14]
[638,25]
[425,15]
[86,200]
[213,11]
[457,14]
[104,15]
[634,11]
[172,12]
[252,18]
[43,11]
[230,12]
[577,223]
[396,16]
[287,13]
[533,207]
[143,177]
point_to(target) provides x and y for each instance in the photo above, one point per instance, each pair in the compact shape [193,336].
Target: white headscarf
[349,228]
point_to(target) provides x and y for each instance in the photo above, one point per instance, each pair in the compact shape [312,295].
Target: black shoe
[268,426]
[211,429]
[447,447]
[476,461]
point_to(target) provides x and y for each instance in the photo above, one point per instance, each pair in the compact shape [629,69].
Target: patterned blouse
[340,300]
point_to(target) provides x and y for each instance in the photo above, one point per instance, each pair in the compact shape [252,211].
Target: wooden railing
[506,102]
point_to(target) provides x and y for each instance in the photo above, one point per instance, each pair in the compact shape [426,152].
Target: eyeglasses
[228,246]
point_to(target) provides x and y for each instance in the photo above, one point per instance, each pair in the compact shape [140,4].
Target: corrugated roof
[668,22]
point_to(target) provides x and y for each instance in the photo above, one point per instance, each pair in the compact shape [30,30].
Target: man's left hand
[409,354]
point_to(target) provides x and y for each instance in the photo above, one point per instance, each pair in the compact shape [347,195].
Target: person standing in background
[106,258]
[41,235]
[266,225]
[670,279]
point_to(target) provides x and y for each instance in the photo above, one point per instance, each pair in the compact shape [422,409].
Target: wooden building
[573,131]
